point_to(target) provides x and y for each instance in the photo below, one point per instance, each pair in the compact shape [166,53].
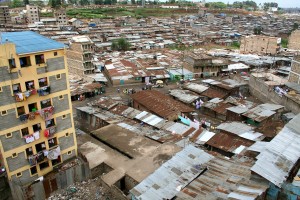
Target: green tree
[120,44]
[206,5]
[132,1]
[107,2]
[295,26]
[84,2]
[284,42]
[99,2]
[17,3]
[54,3]
[218,5]
[26,2]
[236,44]
[72,2]
[257,30]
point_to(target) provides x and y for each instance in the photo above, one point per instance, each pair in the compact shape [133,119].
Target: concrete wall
[17,162]
[5,97]
[6,75]
[266,94]
[12,142]
[54,64]
[63,124]
[295,70]
[10,120]
[259,44]
[63,179]
[294,40]
[66,142]
[61,104]
[24,179]
[58,85]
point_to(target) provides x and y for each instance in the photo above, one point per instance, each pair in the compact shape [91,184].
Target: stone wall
[266,94]
[294,40]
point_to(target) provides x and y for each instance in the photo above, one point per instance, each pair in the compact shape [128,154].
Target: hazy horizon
[281,3]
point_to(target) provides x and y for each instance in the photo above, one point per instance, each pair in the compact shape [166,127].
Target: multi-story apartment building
[32,14]
[79,55]
[36,125]
[294,75]
[4,15]
[294,40]
[61,17]
[259,44]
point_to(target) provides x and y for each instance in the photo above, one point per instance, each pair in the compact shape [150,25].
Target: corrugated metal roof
[173,175]
[30,42]
[281,154]
[222,178]
[242,130]
[204,137]
[195,87]
[184,95]
[262,112]
[238,109]
[258,146]
[88,109]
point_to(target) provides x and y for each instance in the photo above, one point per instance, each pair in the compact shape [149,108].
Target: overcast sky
[281,3]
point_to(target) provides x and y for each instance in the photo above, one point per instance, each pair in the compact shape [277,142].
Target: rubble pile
[89,189]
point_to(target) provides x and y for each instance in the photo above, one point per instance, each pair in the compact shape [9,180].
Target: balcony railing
[50,132]
[22,96]
[29,116]
[37,158]
[41,156]
[43,91]
[46,113]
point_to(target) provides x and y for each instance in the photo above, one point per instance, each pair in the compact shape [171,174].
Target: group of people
[127,91]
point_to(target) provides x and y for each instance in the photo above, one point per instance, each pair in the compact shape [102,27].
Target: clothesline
[45,113]
[40,156]
[21,96]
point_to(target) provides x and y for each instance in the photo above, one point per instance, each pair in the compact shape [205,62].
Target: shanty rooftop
[280,155]
[185,96]
[160,103]
[262,112]
[241,129]
[229,142]
[195,87]
[224,179]
[173,175]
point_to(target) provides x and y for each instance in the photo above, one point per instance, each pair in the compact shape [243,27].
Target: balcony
[29,116]
[50,132]
[43,91]
[36,158]
[43,155]
[47,113]
[22,96]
